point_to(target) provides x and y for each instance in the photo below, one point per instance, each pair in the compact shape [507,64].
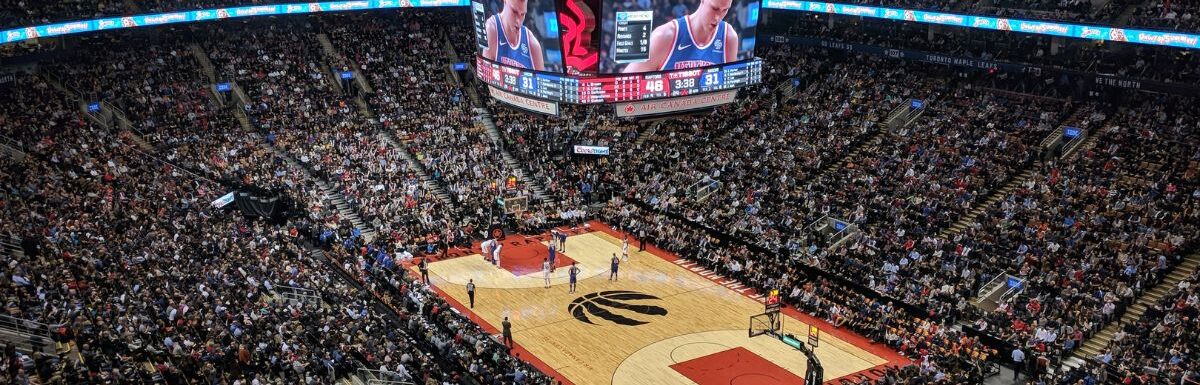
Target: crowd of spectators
[1091,235]
[417,103]
[160,89]
[227,298]
[285,78]
[1153,14]
[545,148]
[23,13]
[1182,15]
[941,353]
[762,197]
[1127,60]
[146,279]
[1164,337]
[968,144]
[179,290]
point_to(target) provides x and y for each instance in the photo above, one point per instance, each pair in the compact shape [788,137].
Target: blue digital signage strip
[102,24]
[1160,38]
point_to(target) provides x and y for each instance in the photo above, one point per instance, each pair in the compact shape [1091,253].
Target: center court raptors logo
[600,304]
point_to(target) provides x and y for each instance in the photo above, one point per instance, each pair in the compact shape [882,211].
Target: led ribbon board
[109,23]
[1040,27]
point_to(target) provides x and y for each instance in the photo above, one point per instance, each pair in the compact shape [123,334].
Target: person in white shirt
[625,248]
[486,248]
[496,253]
[546,272]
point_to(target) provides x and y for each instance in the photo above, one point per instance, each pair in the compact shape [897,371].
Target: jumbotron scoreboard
[618,88]
[646,58]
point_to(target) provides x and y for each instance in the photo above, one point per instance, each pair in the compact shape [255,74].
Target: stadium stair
[789,92]
[962,223]
[328,193]
[327,46]
[1030,171]
[539,192]
[642,136]
[351,380]
[139,141]
[111,117]
[335,58]
[485,118]
[133,7]
[10,246]
[11,148]
[52,80]
[426,180]
[331,78]
[206,66]
[1097,343]
[119,117]
[883,132]
[1087,144]
[243,120]
[102,119]
[364,109]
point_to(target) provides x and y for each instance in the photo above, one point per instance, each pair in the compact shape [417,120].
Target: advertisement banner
[591,150]
[667,106]
[224,200]
[106,23]
[1039,27]
[529,104]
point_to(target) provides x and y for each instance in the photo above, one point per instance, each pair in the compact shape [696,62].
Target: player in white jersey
[546,272]
[625,248]
[486,248]
[496,253]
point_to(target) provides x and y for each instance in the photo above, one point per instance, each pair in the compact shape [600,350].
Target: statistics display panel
[660,35]
[518,33]
[618,87]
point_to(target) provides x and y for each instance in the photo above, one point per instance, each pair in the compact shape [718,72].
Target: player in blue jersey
[509,42]
[699,39]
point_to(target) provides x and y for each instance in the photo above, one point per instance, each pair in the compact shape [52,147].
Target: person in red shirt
[1034,306]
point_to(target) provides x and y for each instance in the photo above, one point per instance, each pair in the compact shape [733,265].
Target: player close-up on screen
[699,39]
[658,35]
[519,33]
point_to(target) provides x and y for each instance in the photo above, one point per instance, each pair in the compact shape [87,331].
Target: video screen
[578,21]
[518,33]
[657,35]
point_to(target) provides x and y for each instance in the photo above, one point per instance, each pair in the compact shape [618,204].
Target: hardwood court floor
[632,331]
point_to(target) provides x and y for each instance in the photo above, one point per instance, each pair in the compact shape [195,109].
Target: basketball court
[664,321]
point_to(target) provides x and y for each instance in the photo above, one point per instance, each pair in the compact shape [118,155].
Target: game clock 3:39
[619,88]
